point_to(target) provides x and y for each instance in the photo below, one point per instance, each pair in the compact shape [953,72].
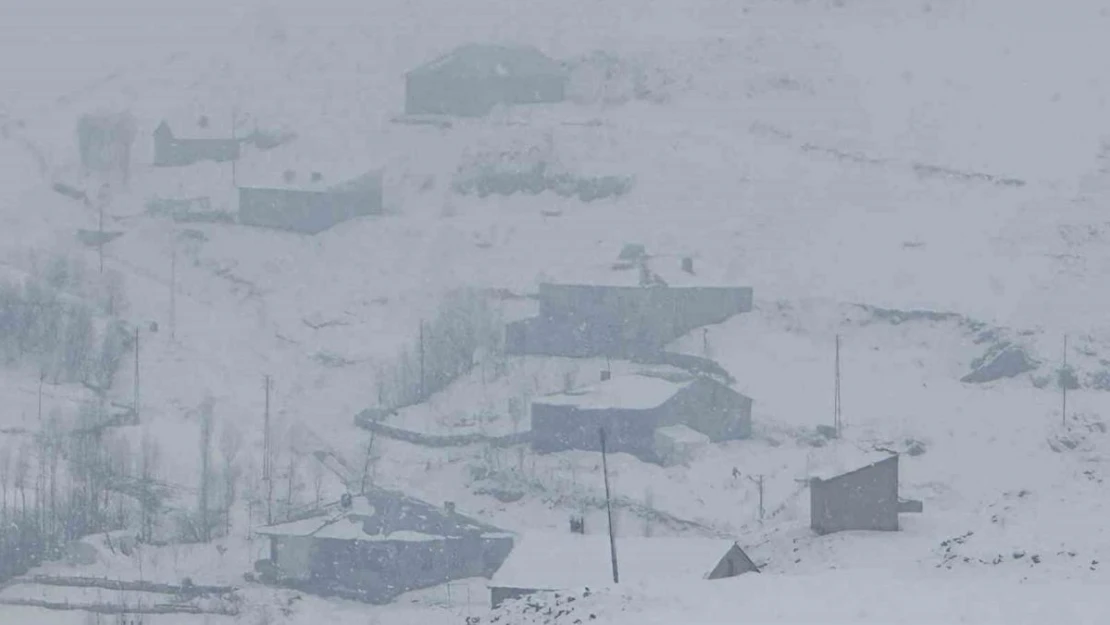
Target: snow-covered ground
[795,145]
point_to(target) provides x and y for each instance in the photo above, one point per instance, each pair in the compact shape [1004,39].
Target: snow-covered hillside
[848,160]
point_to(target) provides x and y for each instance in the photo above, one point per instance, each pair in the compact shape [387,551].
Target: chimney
[606,375]
[450,507]
[688,264]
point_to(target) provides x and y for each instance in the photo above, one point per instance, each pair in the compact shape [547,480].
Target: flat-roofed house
[376,546]
[633,408]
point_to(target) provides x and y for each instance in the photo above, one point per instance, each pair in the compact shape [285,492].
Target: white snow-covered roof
[493,59]
[303,157]
[382,516]
[549,561]
[196,122]
[635,391]
[840,458]
[661,270]
[683,434]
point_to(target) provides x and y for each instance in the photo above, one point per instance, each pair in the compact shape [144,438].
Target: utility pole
[100,235]
[136,399]
[234,120]
[837,425]
[1064,380]
[267,468]
[609,508]
[173,286]
[42,378]
[758,481]
[422,385]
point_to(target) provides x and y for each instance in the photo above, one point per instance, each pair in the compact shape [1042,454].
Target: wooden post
[234,120]
[267,468]
[1064,379]
[422,384]
[837,425]
[609,508]
[100,236]
[136,398]
[173,286]
[42,378]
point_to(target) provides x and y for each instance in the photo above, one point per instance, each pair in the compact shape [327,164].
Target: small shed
[555,562]
[473,78]
[678,444]
[858,492]
[631,408]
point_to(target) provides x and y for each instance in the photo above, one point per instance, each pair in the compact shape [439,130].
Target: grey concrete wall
[866,499]
[294,556]
[306,212]
[622,322]
[180,152]
[713,409]
[445,94]
[561,428]
[501,594]
[379,571]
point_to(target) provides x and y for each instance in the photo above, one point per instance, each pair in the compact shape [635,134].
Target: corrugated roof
[549,561]
[487,59]
[627,392]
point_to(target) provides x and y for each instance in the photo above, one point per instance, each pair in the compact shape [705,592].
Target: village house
[204,140]
[634,408]
[862,498]
[629,309]
[562,562]
[376,546]
[298,197]
[473,78]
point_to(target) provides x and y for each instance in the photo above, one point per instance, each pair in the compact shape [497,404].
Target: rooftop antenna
[609,508]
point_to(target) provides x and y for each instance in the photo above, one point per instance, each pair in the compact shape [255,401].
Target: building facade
[381,545]
[171,151]
[632,408]
[474,78]
[310,211]
[580,320]
[865,499]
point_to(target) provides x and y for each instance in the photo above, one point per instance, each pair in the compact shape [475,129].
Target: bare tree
[5,481]
[291,483]
[149,501]
[369,461]
[22,471]
[317,482]
[649,505]
[231,440]
[205,414]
